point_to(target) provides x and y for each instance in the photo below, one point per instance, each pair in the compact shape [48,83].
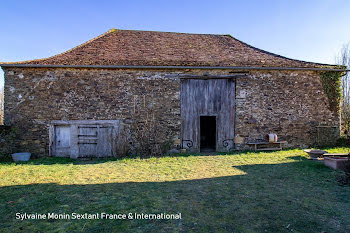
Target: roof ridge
[76,47]
[112,30]
[186,33]
[277,55]
[127,47]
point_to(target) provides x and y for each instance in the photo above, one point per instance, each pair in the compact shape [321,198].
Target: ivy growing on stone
[331,81]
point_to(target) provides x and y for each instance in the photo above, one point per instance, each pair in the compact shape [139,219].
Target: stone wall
[7,137]
[291,104]
[35,97]
[287,103]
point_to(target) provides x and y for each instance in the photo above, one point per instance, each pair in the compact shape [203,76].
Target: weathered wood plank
[84,138]
[87,140]
[61,143]
[104,146]
[213,97]
[205,77]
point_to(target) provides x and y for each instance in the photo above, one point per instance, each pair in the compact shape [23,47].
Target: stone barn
[132,92]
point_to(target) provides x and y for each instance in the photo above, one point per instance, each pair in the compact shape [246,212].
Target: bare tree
[1,106]
[344,59]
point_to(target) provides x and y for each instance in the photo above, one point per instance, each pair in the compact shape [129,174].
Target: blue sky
[313,30]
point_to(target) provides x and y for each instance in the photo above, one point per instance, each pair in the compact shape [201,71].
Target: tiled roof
[151,48]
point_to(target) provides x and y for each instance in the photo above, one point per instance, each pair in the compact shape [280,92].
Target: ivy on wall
[331,81]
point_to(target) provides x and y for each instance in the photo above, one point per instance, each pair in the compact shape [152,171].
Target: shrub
[7,136]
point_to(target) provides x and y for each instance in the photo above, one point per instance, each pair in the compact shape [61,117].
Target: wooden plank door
[213,97]
[104,142]
[95,141]
[62,142]
[87,140]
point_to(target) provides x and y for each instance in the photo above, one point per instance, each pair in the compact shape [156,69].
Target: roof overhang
[174,67]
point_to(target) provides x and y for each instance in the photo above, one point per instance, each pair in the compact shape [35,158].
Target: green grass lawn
[242,192]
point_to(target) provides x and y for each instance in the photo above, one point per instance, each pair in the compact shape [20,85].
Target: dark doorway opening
[208,133]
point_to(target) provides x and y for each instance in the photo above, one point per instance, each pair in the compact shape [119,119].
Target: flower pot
[22,156]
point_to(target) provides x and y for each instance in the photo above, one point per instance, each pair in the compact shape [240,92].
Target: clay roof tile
[152,48]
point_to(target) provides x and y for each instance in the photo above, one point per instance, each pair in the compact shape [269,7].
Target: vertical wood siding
[213,97]
[85,138]
[62,140]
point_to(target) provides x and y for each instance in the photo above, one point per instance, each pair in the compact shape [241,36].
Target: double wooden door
[83,140]
[211,98]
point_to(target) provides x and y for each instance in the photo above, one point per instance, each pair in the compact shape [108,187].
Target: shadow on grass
[298,196]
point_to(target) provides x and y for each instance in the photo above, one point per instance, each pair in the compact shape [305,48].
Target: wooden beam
[196,76]
[176,67]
